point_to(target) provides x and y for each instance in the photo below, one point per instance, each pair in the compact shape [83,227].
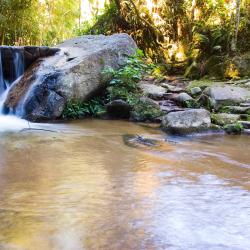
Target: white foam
[12,123]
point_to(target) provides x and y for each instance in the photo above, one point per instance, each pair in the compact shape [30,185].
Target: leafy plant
[77,110]
[123,83]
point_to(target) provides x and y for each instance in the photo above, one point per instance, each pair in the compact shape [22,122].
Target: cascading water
[8,122]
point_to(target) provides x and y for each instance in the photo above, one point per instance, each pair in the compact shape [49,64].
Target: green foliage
[123,83]
[22,24]
[77,110]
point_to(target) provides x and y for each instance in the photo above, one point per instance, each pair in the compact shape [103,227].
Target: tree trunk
[236,27]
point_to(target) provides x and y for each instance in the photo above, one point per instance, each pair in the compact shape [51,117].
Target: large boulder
[188,121]
[73,74]
[226,95]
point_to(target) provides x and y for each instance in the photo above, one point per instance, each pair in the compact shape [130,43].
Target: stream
[79,185]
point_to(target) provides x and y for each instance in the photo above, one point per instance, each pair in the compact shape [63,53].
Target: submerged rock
[74,74]
[188,121]
[139,141]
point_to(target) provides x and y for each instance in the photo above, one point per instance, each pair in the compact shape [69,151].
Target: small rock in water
[138,140]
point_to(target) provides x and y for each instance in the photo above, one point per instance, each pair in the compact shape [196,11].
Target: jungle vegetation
[176,32]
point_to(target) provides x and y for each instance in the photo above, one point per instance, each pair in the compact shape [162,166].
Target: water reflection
[83,188]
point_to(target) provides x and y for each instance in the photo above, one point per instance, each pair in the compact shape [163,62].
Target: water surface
[80,186]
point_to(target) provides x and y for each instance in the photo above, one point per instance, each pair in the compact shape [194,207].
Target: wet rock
[153,91]
[222,119]
[119,109]
[226,95]
[188,121]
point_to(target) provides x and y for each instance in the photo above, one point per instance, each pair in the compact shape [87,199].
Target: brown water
[82,187]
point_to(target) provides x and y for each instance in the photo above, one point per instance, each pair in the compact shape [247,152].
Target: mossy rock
[235,128]
[146,110]
[223,119]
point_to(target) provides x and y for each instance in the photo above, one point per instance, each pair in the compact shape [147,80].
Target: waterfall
[17,69]
[2,83]
[18,64]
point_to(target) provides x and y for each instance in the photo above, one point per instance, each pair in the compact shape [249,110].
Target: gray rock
[195,91]
[188,121]
[226,95]
[183,98]
[153,91]
[119,109]
[74,74]
[171,88]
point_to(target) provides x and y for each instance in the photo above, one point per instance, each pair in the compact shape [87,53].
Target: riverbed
[79,185]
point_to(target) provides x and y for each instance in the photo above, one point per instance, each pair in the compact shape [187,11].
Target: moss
[235,128]
[192,104]
[202,83]
[224,119]
[145,111]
